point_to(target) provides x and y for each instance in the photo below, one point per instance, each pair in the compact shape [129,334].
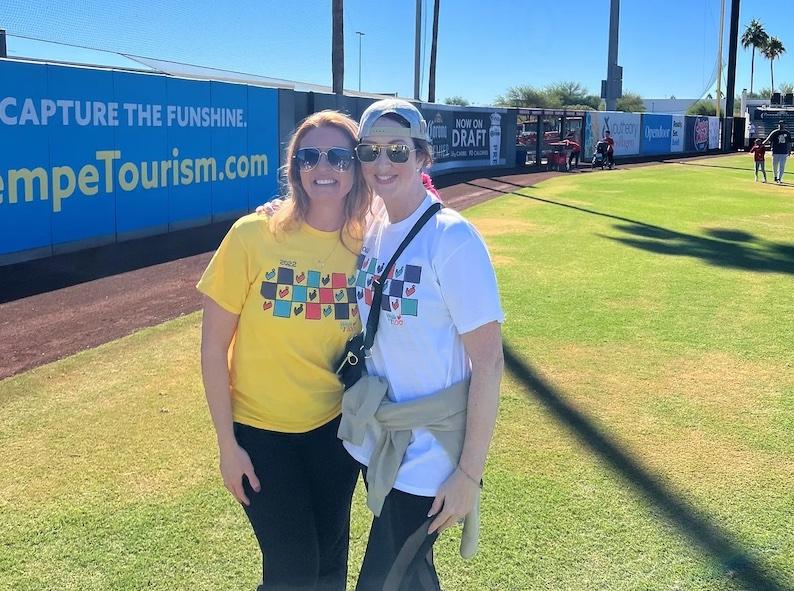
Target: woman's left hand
[455,500]
[270,208]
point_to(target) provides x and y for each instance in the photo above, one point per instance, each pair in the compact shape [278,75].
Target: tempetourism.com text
[60,182]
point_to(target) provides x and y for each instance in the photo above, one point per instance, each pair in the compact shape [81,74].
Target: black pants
[399,553]
[301,516]
[573,159]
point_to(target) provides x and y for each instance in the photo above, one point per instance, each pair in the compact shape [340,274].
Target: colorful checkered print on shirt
[399,289]
[310,295]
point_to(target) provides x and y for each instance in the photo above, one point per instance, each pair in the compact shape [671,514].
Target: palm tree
[338,46]
[431,92]
[772,51]
[756,37]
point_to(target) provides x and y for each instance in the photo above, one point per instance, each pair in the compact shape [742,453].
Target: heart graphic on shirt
[351,280]
[326,279]
[410,291]
[386,286]
[298,309]
[394,304]
[360,294]
[354,310]
[366,264]
[327,310]
[270,274]
[267,305]
[283,292]
[300,278]
[380,267]
[369,280]
[340,295]
[399,271]
[312,294]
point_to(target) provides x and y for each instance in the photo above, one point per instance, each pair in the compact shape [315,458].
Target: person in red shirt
[575,148]
[759,151]
[611,151]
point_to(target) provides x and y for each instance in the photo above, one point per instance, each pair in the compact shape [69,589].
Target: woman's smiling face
[325,182]
[388,179]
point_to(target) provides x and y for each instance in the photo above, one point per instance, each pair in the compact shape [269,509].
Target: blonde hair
[357,203]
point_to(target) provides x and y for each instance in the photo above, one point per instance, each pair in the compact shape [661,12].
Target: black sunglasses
[397,153]
[339,158]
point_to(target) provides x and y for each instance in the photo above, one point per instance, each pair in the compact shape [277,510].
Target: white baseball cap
[417,123]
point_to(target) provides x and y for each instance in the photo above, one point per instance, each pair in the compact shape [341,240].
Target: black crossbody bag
[351,365]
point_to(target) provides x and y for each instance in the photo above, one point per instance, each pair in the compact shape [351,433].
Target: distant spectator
[576,149]
[780,140]
[611,150]
[759,151]
[751,131]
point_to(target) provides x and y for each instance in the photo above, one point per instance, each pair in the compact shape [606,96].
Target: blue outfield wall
[91,156]
[657,132]
[650,134]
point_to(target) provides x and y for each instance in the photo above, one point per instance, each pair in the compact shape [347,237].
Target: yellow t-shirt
[296,298]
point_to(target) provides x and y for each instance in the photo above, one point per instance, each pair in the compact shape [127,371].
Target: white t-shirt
[441,286]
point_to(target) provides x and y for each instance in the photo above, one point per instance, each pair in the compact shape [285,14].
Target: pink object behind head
[428,183]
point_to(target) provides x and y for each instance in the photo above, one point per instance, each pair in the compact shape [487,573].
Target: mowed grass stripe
[656,300]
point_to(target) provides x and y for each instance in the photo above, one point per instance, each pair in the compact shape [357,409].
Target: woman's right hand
[271,207]
[235,464]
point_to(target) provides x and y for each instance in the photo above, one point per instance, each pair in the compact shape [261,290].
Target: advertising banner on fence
[677,134]
[714,133]
[697,134]
[91,155]
[657,133]
[625,129]
[467,138]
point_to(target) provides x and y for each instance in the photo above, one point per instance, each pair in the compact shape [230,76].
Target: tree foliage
[755,37]
[630,102]
[765,92]
[524,96]
[571,95]
[772,51]
[457,100]
[702,107]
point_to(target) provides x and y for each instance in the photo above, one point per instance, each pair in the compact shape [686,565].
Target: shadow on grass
[748,570]
[725,248]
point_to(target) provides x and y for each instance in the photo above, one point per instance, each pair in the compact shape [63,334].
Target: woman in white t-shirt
[439,326]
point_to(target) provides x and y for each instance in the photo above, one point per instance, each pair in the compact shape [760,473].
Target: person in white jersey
[440,325]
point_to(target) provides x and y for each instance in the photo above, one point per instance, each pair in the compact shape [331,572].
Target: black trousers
[399,554]
[301,516]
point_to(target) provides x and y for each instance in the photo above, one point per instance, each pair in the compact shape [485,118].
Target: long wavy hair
[358,200]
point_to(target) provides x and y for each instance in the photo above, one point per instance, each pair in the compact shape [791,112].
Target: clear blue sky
[667,47]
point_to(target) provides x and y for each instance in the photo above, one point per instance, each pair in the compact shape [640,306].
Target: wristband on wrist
[469,476]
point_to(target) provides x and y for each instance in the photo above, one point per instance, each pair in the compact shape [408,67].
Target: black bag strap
[374,311]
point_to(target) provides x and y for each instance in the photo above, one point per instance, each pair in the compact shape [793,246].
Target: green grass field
[658,301]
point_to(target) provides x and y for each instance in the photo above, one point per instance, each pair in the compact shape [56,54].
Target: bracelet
[469,476]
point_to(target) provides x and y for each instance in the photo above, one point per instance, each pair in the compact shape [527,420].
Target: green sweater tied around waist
[442,413]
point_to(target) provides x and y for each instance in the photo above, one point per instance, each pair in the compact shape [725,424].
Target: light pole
[360,35]
[612,87]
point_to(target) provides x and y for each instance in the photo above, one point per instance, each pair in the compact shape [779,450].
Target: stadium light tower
[418,48]
[360,35]
[730,90]
[612,87]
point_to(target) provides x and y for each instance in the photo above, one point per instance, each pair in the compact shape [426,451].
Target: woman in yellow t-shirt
[280,304]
